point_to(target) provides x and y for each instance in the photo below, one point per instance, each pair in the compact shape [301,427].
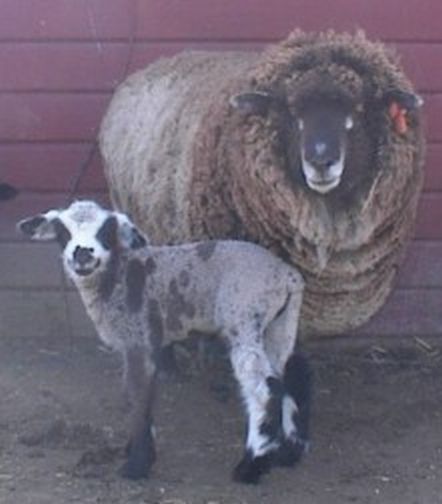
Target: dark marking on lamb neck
[155,321]
[150,266]
[109,278]
[177,306]
[205,250]
[135,282]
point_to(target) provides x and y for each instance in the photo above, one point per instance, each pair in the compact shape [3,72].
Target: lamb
[313,149]
[141,297]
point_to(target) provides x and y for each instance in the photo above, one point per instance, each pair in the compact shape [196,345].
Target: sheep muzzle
[324,128]
[83,261]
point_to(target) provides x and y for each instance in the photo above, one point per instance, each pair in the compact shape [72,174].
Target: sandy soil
[377,430]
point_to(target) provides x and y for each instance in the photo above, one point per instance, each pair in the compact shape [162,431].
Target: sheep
[142,297]
[312,148]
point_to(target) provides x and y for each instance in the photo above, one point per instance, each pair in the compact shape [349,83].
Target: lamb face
[89,237]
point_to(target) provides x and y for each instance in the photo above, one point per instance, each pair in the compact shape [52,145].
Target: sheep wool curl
[186,166]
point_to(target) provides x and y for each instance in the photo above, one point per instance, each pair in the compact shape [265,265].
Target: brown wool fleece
[187,166]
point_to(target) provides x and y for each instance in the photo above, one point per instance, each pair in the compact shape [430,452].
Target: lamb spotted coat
[141,297]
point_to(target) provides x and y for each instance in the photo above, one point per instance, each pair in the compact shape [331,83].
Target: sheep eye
[348,123]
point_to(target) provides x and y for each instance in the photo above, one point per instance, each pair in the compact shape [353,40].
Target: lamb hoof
[138,464]
[289,453]
[250,469]
[133,471]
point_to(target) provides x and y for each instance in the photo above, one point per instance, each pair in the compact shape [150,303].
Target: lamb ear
[252,102]
[39,227]
[405,99]
[129,235]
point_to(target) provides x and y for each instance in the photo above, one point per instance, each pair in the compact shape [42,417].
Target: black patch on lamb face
[177,306]
[109,278]
[155,320]
[135,282]
[205,250]
[62,233]
[107,235]
[150,265]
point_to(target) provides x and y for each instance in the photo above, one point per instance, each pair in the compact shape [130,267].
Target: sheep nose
[83,255]
[324,156]
[321,154]
[326,163]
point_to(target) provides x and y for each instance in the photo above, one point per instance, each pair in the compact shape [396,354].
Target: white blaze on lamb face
[141,297]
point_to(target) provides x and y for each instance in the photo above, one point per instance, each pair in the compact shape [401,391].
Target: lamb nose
[82,255]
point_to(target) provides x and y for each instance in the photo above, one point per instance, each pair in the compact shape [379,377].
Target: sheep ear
[405,99]
[129,235]
[252,102]
[39,227]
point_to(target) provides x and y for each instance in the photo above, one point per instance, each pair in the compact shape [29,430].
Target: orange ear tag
[398,116]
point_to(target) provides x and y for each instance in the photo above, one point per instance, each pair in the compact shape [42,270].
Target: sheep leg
[280,340]
[140,382]
[297,380]
[262,392]
[295,411]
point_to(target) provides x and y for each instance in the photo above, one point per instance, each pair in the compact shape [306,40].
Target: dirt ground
[376,430]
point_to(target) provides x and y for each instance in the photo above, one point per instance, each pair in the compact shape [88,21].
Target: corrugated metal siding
[61,59]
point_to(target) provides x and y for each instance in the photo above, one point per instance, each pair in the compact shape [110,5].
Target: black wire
[86,163]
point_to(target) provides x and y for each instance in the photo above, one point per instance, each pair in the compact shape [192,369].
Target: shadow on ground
[377,430]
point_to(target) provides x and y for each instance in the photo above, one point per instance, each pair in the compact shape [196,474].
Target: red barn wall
[61,60]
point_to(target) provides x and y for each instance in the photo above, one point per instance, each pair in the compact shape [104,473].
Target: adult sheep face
[337,198]
[317,133]
[323,145]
